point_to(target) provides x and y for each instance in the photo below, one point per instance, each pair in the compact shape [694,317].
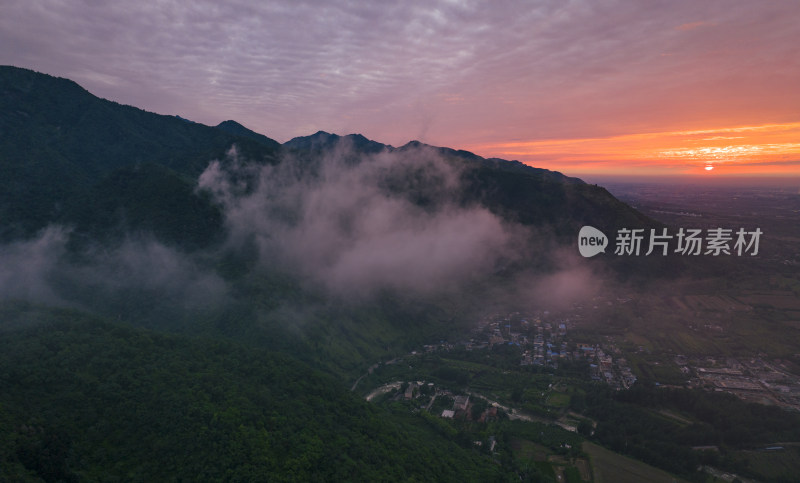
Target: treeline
[632,422]
[732,422]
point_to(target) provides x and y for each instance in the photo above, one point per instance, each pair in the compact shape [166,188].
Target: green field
[774,465]
[610,467]
[558,400]
[528,450]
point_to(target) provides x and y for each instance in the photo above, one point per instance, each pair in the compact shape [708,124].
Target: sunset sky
[583,87]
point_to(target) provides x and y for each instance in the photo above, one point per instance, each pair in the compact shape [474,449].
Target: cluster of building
[548,346]
[428,392]
[543,343]
[603,366]
[546,343]
[462,409]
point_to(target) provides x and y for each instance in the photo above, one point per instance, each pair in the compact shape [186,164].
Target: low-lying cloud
[28,266]
[354,225]
[140,271]
[343,224]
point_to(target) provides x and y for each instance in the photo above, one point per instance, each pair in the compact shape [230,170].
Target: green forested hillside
[58,141]
[148,198]
[85,400]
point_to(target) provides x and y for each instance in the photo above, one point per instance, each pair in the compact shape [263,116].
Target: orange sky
[764,150]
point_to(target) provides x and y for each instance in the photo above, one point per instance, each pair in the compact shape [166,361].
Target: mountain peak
[233,127]
[413,144]
[230,124]
[318,140]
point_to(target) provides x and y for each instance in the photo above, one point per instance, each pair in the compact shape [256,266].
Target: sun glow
[764,149]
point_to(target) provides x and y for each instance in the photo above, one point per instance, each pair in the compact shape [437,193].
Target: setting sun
[769,149]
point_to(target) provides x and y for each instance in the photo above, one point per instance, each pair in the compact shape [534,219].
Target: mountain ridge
[218,290]
[121,184]
[326,139]
[62,143]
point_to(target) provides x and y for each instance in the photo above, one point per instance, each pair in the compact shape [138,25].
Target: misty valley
[181,302]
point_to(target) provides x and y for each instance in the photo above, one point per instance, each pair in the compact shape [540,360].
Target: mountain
[179,294]
[515,191]
[63,149]
[115,175]
[322,141]
[233,127]
[122,182]
[60,145]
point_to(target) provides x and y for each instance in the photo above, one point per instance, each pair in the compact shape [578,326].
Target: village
[542,344]
[546,341]
[546,344]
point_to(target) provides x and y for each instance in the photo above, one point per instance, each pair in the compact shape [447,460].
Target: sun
[709,167]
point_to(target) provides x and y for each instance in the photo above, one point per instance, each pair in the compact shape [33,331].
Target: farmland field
[610,467]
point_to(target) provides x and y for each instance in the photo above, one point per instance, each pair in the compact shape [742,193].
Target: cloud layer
[458,73]
[344,225]
[385,221]
[140,273]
